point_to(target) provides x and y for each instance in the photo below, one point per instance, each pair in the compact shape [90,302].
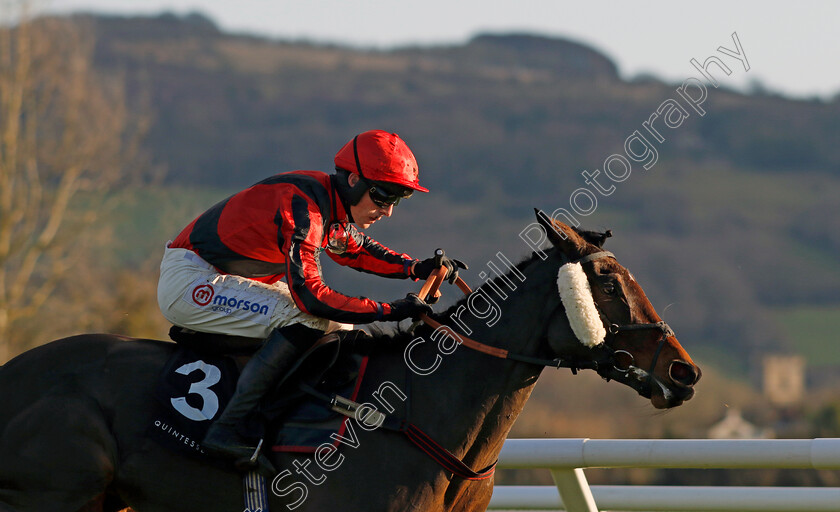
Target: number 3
[210,407]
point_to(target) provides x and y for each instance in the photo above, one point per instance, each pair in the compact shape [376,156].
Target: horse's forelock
[596,238]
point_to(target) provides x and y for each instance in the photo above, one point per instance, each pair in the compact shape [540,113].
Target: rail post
[574,490]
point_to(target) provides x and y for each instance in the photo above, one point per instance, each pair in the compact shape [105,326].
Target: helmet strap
[356,156]
[350,196]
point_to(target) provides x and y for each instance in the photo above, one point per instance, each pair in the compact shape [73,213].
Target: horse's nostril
[683,373]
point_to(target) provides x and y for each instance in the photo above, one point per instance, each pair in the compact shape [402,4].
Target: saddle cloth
[195,386]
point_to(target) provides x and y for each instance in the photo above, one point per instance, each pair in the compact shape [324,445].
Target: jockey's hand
[423,269]
[409,307]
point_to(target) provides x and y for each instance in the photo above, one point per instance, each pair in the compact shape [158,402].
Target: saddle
[309,409]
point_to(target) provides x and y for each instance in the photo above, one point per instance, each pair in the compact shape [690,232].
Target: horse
[74,411]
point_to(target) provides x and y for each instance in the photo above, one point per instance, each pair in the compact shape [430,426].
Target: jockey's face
[366,212]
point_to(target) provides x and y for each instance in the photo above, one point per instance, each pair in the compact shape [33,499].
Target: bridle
[614,329]
[605,365]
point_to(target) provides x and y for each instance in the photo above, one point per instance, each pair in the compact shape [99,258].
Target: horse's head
[608,320]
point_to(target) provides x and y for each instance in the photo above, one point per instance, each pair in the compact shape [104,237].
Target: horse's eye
[609,288]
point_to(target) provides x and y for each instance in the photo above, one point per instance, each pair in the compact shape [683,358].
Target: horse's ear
[562,236]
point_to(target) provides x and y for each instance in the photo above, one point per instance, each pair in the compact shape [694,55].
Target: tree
[66,138]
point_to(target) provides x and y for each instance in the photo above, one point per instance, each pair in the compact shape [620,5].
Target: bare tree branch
[65,135]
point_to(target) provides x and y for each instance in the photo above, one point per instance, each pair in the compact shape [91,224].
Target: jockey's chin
[365,213]
[368,222]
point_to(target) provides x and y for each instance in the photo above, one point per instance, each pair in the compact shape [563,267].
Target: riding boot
[271,363]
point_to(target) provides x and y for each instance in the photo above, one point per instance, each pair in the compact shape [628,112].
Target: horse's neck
[473,399]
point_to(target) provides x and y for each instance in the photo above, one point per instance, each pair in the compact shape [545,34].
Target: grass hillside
[815,331]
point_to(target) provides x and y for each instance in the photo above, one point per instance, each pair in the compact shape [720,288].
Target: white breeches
[193,294]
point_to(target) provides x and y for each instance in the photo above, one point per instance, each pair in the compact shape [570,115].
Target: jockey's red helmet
[377,155]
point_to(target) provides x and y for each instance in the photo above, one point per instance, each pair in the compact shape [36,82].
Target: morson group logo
[227,304]
[245,304]
[203,294]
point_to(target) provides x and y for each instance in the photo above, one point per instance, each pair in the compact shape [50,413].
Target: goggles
[384,198]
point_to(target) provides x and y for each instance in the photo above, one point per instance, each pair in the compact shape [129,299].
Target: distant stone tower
[784,379]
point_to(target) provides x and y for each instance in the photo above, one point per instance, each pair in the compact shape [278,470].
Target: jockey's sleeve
[301,229]
[367,255]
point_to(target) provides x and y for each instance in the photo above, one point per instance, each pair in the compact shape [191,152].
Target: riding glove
[423,269]
[409,307]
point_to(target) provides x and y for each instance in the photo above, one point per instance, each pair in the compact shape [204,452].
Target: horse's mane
[596,238]
[499,282]
[382,338]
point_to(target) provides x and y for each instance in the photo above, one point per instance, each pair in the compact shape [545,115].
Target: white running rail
[566,458]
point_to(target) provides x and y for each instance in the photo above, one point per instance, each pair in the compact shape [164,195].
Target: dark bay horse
[73,413]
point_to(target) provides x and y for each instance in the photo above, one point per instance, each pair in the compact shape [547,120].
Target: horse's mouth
[663,396]
[662,393]
[678,386]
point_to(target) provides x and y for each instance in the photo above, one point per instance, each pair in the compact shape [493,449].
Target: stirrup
[256,453]
[257,461]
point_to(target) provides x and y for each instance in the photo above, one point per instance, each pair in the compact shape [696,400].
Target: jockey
[224,273]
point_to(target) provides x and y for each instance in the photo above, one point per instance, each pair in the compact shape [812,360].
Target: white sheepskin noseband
[580,306]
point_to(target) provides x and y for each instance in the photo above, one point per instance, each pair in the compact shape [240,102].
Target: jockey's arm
[365,254]
[302,233]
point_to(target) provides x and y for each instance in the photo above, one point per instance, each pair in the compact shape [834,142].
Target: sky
[791,47]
